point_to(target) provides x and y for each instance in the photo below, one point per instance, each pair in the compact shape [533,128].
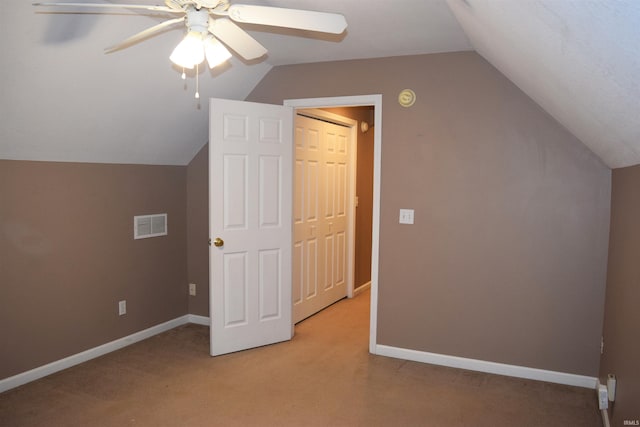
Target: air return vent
[149,226]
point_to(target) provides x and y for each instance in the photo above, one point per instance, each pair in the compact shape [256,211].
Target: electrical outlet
[603,400]
[122,307]
[406,216]
[611,387]
[192,289]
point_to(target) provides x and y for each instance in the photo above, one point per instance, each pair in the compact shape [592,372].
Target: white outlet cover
[122,307]
[406,216]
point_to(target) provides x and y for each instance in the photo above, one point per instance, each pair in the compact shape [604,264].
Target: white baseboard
[92,353]
[489,367]
[198,320]
[361,288]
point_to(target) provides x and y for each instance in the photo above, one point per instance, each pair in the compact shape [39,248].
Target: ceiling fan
[211,27]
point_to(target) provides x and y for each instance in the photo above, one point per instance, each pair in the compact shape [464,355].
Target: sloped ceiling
[578,59]
[63,99]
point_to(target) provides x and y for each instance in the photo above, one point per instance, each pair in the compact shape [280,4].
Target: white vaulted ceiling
[578,59]
[63,99]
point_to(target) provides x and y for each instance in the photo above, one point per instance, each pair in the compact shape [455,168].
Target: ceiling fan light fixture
[211,27]
[215,52]
[189,52]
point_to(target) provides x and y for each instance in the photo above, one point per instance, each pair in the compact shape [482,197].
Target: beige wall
[198,230]
[506,261]
[622,310]
[507,258]
[67,256]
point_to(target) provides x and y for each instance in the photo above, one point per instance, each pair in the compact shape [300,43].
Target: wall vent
[149,226]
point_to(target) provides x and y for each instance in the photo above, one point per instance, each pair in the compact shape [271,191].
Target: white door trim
[357,101]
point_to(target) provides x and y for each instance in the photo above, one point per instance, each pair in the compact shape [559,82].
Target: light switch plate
[406,216]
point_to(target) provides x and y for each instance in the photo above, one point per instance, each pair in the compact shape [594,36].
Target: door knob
[218,242]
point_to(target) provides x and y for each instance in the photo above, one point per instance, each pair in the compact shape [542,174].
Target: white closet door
[321,192]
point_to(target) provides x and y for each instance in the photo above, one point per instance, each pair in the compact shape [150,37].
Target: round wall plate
[407,98]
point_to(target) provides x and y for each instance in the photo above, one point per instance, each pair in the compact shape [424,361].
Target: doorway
[250,285]
[374,101]
[332,206]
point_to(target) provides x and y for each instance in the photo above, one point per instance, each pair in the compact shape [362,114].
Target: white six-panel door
[320,208]
[250,184]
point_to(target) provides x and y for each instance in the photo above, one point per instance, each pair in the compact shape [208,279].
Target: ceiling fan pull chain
[197,83]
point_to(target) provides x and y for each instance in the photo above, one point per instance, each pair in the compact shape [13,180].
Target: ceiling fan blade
[290,18]
[143,34]
[110,6]
[236,38]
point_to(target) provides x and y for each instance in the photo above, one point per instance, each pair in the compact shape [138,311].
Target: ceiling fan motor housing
[198,4]
[197,20]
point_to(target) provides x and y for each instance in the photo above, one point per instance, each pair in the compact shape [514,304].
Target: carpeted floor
[323,377]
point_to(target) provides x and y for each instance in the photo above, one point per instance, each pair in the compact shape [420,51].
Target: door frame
[359,101]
